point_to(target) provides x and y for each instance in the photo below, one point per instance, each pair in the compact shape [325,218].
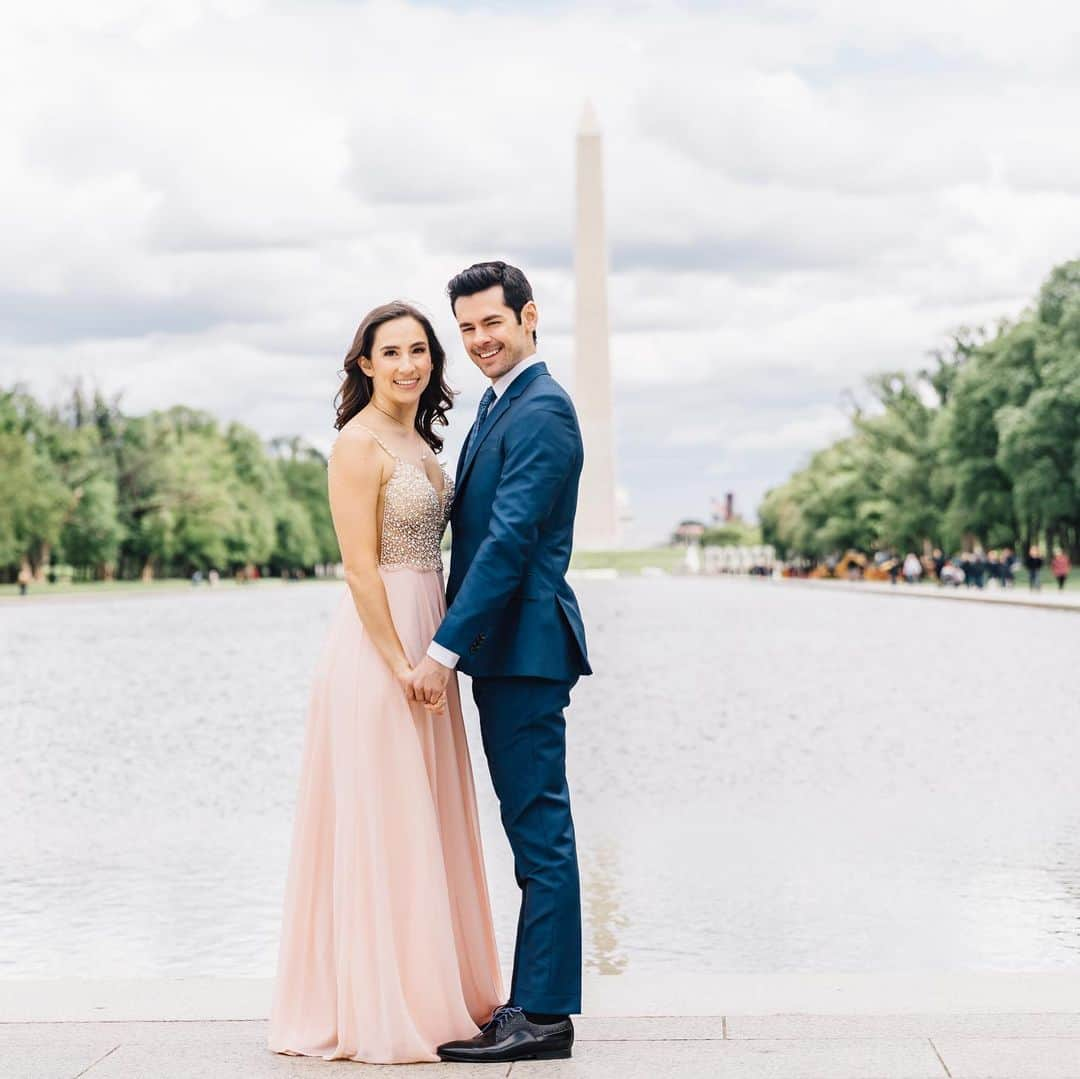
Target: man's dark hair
[517,291]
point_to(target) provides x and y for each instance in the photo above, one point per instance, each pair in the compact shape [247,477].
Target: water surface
[765,778]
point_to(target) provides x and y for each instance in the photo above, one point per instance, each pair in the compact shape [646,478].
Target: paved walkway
[1019,596]
[742,1047]
[952,1042]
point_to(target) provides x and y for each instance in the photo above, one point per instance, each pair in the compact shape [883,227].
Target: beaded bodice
[414,515]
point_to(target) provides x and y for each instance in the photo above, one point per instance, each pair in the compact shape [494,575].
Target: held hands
[426,684]
[404,675]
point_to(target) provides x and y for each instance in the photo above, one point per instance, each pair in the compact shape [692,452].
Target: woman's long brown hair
[357,388]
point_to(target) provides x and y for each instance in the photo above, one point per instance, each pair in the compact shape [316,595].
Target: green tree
[1039,439]
[178,492]
[163,493]
[33,502]
[976,490]
[92,532]
[259,495]
[984,445]
[832,504]
[897,436]
[296,546]
[732,534]
[303,470]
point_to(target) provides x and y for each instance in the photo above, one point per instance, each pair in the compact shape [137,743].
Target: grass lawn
[1020,581]
[631,562]
[1049,581]
[665,558]
[628,562]
[110,588]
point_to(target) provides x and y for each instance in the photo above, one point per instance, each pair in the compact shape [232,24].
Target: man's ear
[530,316]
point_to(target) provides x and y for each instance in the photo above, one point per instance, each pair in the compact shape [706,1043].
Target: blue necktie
[481,415]
[485,404]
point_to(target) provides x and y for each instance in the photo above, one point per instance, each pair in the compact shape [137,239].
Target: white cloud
[203,198]
[802,433]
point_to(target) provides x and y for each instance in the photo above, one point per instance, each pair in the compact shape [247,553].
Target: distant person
[967,563]
[1060,567]
[1008,568]
[24,579]
[952,573]
[213,577]
[912,568]
[1034,566]
[196,578]
[993,567]
[978,566]
[894,567]
[938,559]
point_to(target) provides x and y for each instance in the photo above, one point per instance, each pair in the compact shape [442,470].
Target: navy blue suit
[515,623]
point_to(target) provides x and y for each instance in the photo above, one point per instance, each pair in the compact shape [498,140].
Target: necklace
[389,415]
[425,454]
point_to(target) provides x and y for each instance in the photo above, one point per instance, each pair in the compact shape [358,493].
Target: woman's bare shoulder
[357,452]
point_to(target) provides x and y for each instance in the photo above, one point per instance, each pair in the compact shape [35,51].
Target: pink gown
[387,946]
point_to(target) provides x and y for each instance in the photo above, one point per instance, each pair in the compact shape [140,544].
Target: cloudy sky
[201,200]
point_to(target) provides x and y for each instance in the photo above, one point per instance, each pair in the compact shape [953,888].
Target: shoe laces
[502,1014]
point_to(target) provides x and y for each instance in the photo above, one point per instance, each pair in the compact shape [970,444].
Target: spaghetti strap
[379,440]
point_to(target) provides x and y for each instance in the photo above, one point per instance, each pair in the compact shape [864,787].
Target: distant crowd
[976,568]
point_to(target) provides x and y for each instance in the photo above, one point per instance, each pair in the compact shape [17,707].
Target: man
[514,625]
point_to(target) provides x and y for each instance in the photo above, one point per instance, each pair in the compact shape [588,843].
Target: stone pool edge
[215,999]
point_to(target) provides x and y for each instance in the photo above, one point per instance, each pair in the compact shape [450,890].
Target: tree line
[165,494]
[979,446]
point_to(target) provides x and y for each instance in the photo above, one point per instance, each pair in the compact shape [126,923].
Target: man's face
[491,333]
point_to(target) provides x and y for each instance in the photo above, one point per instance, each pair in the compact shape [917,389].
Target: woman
[387,948]
[1060,567]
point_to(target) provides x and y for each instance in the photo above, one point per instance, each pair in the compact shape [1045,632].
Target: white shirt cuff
[443,655]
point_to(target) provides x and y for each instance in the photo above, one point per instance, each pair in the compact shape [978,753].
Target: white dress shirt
[500,386]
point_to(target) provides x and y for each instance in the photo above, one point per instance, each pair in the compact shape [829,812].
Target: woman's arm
[355,476]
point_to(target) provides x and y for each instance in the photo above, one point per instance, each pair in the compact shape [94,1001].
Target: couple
[387,949]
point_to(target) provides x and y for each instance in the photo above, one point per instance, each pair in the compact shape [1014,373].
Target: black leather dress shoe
[510,1036]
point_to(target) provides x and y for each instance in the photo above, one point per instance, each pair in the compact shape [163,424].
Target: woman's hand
[403,674]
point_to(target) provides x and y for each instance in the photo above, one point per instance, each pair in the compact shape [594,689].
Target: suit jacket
[510,610]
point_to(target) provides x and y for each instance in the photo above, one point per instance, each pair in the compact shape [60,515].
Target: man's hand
[428,683]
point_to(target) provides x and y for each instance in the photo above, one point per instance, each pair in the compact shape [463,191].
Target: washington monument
[597,525]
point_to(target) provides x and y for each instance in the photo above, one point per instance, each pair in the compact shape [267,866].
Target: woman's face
[400,361]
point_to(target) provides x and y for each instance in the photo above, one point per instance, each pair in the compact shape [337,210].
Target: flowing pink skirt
[387,947]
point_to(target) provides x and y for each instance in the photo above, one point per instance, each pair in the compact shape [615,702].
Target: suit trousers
[524,736]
